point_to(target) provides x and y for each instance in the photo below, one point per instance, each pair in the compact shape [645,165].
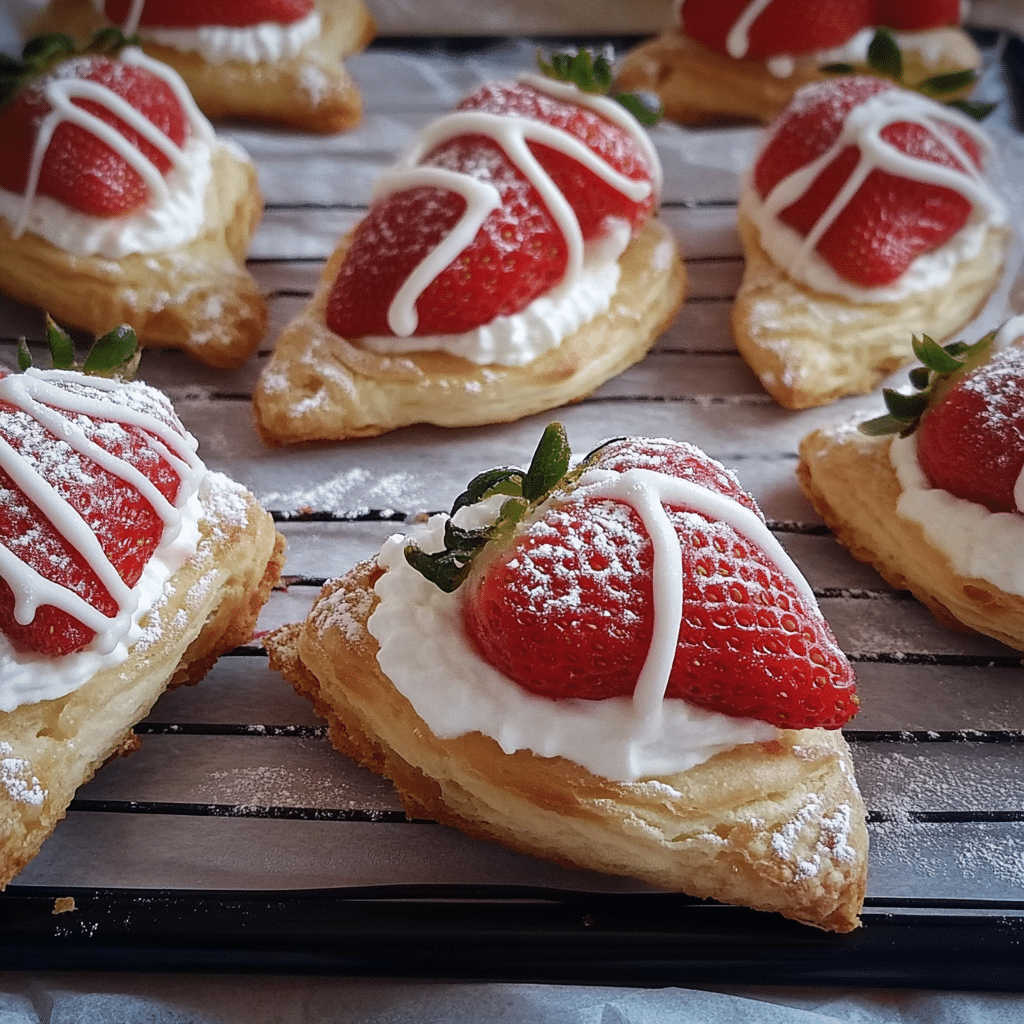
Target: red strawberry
[122,519]
[969,418]
[518,253]
[797,27]
[80,170]
[195,13]
[565,606]
[785,26]
[916,15]
[890,220]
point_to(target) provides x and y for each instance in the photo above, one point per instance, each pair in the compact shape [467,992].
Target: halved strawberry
[784,27]
[520,250]
[78,168]
[197,13]
[57,454]
[797,27]
[969,418]
[891,219]
[564,603]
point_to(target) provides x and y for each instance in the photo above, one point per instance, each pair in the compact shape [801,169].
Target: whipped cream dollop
[862,127]
[176,209]
[978,542]
[592,272]
[55,399]
[425,652]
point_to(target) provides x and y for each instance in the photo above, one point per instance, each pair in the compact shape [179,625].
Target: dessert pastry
[937,509]
[273,60]
[867,219]
[508,264]
[745,59]
[125,567]
[615,667]
[119,205]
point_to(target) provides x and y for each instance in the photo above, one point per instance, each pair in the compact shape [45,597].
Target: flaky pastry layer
[777,826]
[319,386]
[809,348]
[197,296]
[851,482]
[210,606]
[697,85]
[311,91]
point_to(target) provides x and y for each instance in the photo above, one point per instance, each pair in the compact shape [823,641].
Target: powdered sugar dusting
[831,845]
[15,776]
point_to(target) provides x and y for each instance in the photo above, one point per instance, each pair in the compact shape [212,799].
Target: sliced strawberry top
[890,220]
[971,442]
[124,522]
[795,27]
[519,252]
[79,169]
[567,610]
[199,13]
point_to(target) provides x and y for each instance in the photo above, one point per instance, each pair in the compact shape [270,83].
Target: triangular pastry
[719,803]
[245,64]
[866,219]
[160,242]
[508,264]
[85,652]
[743,60]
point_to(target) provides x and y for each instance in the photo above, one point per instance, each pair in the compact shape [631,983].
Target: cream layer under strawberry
[592,271]
[175,211]
[862,127]
[424,651]
[263,43]
[934,46]
[978,543]
[26,678]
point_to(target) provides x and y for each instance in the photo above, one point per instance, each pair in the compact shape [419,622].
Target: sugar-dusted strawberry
[491,209]
[78,167]
[917,163]
[570,601]
[782,27]
[196,13]
[89,477]
[968,411]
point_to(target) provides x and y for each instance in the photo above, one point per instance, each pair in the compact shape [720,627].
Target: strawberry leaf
[550,463]
[112,352]
[884,56]
[594,75]
[973,108]
[941,366]
[24,356]
[942,85]
[62,348]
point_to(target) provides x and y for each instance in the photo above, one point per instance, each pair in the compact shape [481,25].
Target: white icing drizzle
[60,94]
[737,42]
[512,135]
[862,127]
[647,492]
[40,395]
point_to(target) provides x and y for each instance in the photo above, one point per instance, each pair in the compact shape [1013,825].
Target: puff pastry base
[311,91]
[850,481]
[197,296]
[700,86]
[777,826]
[51,748]
[319,386]
[809,348]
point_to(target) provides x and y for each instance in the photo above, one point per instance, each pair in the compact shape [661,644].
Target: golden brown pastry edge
[712,831]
